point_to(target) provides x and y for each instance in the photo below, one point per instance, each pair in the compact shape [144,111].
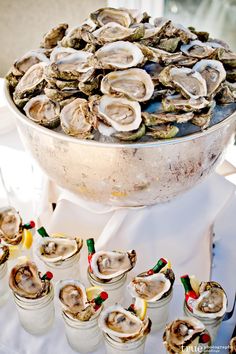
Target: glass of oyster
[210,306]
[109,269]
[33,296]
[123,330]
[4,254]
[60,254]
[80,315]
[156,287]
[186,335]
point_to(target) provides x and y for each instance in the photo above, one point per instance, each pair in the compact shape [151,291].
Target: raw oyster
[212,302]
[4,254]
[151,119]
[121,113]
[72,295]
[178,103]
[197,49]
[189,82]
[120,323]
[149,287]
[118,55]
[32,82]
[77,120]
[58,249]
[110,264]
[113,32]
[109,14]
[59,95]
[163,131]
[40,109]
[51,38]
[132,135]
[11,228]
[181,333]
[213,72]
[25,281]
[135,84]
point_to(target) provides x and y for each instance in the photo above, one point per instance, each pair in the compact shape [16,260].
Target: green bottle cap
[90,245]
[43,232]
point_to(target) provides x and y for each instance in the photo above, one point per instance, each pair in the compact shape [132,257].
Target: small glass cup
[131,347]
[211,324]
[114,287]
[36,315]
[83,336]
[4,289]
[158,312]
[67,269]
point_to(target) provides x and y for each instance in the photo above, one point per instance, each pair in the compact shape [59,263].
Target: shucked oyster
[109,14]
[118,55]
[43,111]
[150,288]
[212,302]
[4,254]
[10,226]
[58,249]
[121,113]
[181,333]
[110,264]
[26,282]
[135,84]
[122,324]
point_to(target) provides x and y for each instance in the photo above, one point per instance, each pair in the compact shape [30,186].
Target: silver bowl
[125,174]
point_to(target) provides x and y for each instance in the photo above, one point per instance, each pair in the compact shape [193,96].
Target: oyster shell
[51,38]
[118,55]
[212,301]
[135,84]
[150,288]
[182,333]
[197,49]
[58,249]
[4,254]
[40,109]
[189,82]
[109,14]
[72,295]
[118,322]
[73,38]
[213,72]
[10,226]
[175,103]
[32,82]
[110,264]
[59,53]
[76,119]
[163,131]
[121,113]
[25,281]
[132,135]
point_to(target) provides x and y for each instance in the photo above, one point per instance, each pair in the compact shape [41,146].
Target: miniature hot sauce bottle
[103,296]
[91,251]
[156,269]
[190,294]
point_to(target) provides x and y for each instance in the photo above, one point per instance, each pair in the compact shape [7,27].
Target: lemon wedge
[58,234]
[140,308]
[27,239]
[195,283]
[14,252]
[93,292]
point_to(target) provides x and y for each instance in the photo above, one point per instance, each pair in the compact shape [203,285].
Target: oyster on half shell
[110,264]
[58,249]
[135,84]
[121,113]
[122,324]
[108,14]
[117,55]
[150,288]
[197,49]
[40,109]
[175,103]
[10,226]
[25,281]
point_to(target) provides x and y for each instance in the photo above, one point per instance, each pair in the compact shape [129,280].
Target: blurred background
[23,22]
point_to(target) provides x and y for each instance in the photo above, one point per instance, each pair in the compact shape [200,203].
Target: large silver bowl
[125,175]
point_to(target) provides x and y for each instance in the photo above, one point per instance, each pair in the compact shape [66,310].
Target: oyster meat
[212,301]
[40,109]
[122,324]
[11,227]
[25,281]
[181,333]
[118,55]
[135,84]
[4,254]
[121,113]
[58,249]
[107,265]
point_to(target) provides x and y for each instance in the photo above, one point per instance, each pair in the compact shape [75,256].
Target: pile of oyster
[121,76]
